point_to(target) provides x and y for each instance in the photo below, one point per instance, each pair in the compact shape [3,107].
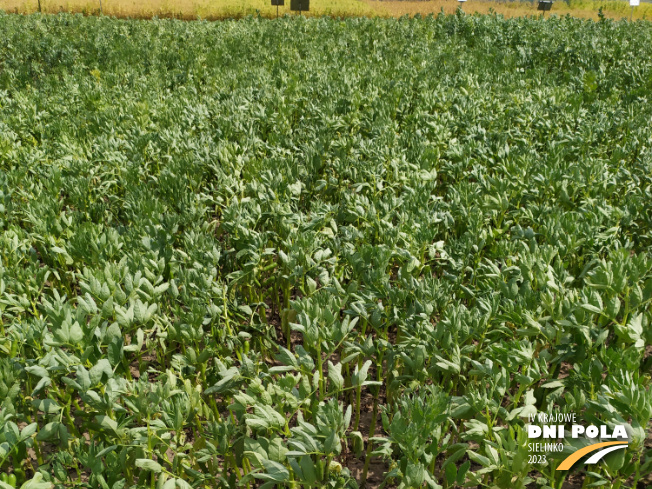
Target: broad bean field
[320,252]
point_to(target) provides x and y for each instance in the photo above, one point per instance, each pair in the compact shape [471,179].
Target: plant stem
[372,432]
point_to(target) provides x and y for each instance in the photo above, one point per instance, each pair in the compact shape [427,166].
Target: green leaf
[48,431]
[147,464]
[28,431]
[457,454]
[332,444]
[83,378]
[335,376]
[359,376]
[451,474]
[181,484]
[38,371]
[114,351]
[591,308]
[308,469]
[276,450]
[479,459]
[461,473]
[107,423]
[106,451]
[101,367]
[37,482]
[274,471]
[41,385]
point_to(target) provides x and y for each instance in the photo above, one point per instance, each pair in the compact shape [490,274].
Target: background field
[193,9]
[312,253]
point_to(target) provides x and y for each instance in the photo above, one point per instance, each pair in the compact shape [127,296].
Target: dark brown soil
[375,473]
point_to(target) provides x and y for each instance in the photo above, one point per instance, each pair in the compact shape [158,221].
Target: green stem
[372,432]
[320,366]
[285,323]
[358,392]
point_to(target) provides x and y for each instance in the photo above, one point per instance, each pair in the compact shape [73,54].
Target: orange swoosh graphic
[575,456]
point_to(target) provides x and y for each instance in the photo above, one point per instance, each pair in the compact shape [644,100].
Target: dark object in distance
[278,3]
[545,5]
[303,5]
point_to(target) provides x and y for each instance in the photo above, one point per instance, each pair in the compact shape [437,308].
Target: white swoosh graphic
[597,456]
